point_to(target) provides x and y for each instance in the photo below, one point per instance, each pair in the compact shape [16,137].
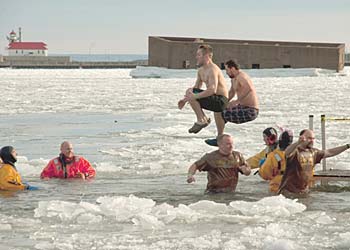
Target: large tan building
[180,52]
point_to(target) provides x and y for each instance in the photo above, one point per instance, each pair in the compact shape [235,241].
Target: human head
[232,68]
[270,136]
[225,143]
[308,136]
[67,149]
[204,54]
[8,155]
[285,139]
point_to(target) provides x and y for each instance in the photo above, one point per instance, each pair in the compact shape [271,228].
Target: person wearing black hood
[9,177]
[275,164]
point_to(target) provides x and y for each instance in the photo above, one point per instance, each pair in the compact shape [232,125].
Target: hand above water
[190,179]
[31,188]
[80,175]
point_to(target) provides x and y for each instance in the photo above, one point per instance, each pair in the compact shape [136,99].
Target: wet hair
[206,49]
[232,64]
[221,137]
[285,140]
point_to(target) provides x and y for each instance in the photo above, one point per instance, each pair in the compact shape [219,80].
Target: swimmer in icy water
[222,166]
[10,179]
[68,165]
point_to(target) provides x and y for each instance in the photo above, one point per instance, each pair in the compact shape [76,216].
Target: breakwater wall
[62,62]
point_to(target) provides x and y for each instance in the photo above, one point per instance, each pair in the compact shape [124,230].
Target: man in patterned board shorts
[246,107]
[240,114]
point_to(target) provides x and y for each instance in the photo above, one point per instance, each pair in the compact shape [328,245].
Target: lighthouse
[18,48]
[12,37]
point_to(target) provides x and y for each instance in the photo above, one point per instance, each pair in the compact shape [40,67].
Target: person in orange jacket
[271,142]
[68,165]
[275,164]
[10,179]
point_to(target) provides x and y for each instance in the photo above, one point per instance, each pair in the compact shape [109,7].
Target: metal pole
[323,136]
[311,122]
[20,34]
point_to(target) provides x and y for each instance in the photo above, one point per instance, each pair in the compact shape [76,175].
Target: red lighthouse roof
[28,45]
[13,33]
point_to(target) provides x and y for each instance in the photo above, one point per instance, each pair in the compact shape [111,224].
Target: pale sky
[123,27]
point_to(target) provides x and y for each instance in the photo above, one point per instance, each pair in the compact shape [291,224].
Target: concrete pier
[62,62]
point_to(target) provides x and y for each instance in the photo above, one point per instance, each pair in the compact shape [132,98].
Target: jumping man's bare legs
[198,111]
[220,123]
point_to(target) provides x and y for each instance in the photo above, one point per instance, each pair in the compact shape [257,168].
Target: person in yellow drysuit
[9,177]
[270,139]
[275,164]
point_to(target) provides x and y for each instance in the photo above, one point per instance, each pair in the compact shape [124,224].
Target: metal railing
[323,130]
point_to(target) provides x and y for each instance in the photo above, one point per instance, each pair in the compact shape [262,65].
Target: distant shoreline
[104,57]
[75,61]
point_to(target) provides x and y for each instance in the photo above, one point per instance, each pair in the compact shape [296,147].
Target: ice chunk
[125,208]
[277,206]
[324,219]
[107,167]
[89,218]
[147,221]
[233,244]
[209,207]
[158,72]
[5,227]
[281,244]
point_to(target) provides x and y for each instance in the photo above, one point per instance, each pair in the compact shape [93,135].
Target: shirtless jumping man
[214,98]
[246,107]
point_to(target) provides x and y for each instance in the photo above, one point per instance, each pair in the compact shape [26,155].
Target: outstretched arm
[335,151]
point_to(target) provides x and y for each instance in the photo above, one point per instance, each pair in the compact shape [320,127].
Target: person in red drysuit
[68,165]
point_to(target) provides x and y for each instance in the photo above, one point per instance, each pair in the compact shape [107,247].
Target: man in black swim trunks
[246,107]
[213,98]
